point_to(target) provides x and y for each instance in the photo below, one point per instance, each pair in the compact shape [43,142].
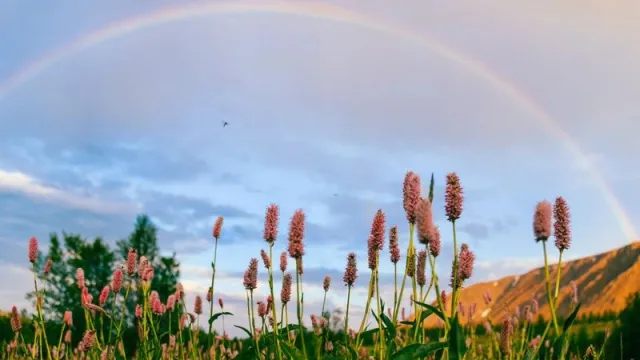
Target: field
[141,309]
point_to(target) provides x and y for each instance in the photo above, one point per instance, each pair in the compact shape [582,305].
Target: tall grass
[272,336]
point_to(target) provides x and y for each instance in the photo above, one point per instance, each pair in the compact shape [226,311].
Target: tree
[166,268]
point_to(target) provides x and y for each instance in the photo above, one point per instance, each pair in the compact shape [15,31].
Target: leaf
[291,351]
[570,319]
[433,309]
[457,346]
[217,315]
[352,351]
[389,325]
[427,349]
[245,330]
[406,352]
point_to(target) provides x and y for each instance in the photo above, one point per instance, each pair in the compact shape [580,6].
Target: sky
[323,115]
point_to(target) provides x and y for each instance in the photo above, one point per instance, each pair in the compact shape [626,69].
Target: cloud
[18,182]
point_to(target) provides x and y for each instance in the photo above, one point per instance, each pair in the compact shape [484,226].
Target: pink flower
[217,227]
[116,284]
[453,197]
[132,258]
[104,294]
[271,223]
[197,306]
[158,308]
[505,337]
[421,278]
[372,252]
[574,292]
[171,302]
[411,195]
[262,309]
[265,259]
[251,275]
[179,291]
[16,323]
[542,221]
[87,341]
[394,248]
[283,261]
[378,230]
[466,259]
[351,270]
[47,267]
[67,318]
[221,303]
[80,277]
[424,220]
[487,298]
[285,293]
[33,249]
[142,266]
[434,241]
[326,283]
[139,311]
[562,225]
[296,235]
[299,267]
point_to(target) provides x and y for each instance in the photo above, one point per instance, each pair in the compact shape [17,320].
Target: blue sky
[315,108]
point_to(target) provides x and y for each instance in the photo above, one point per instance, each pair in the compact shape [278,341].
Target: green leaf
[291,351]
[431,186]
[433,309]
[406,352]
[352,351]
[427,349]
[570,319]
[457,346]
[217,315]
[245,330]
[389,325]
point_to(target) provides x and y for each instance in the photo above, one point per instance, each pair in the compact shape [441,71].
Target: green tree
[623,342]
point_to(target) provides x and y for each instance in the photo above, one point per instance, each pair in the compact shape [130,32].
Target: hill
[604,282]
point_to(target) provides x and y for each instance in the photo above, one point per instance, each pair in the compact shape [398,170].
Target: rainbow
[330,13]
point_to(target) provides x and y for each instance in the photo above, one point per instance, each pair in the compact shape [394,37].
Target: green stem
[213,278]
[454,285]
[379,308]
[395,285]
[253,322]
[61,335]
[548,288]
[346,317]
[366,309]
[273,303]
[434,278]
[406,268]
[299,312]
[559,271]
[39,310]
[113,316]
[324,300]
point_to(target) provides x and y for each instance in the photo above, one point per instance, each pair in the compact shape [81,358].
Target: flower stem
[380,310]
[39,310]
[273,303]
[213,279]
[559,271]
[299,312]
[346,317]
[406,269]
[548,288]
[454,285]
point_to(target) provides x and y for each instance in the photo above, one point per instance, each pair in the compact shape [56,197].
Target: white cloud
[18,182]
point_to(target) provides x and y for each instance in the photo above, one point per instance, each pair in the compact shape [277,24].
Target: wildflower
[443,298]
[394,248]
[158,308]
[87,340]
[139,311]
[411,195]
[283,261]
[116,283]
[265,259]
[329,346]
[80,278]
[221,303]
[542,221]
[271,223]
[372,251]
[217,227]
[179,291]
[67,337]
[251,275]
[453,197]
[424,220]
[296,235]
[411,263]
[171,302]
[104,294]
[574,292]
[132,258]
[326,283]
[534,342]
[487,328]
[147,275]
[378,230]
[562,226]
[421,278]
[67,318]
[465,266]
[33,249]
[505,337]
[535,306]
[16,323]
[47,267]
[351,270]
[461,309]
[152,297]
[210,294]
[262,309]
[299,267]
[197,306]
[285,293]
[434,241]
[142,266]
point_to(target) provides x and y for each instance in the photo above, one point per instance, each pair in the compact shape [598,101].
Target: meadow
[136,307]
